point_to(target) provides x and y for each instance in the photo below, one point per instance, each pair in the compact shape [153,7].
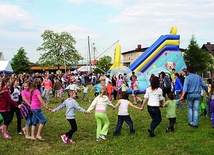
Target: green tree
[198,58]
[58,49]
[103,65]
[20,62]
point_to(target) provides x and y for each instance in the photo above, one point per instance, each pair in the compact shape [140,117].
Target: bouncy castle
[163,55]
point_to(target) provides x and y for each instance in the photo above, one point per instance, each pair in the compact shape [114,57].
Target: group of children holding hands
[32,99]
[100,104]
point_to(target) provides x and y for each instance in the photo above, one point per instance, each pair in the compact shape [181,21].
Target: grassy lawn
[185,140]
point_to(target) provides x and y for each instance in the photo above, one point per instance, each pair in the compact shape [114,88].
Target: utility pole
[89,54]
[94,48]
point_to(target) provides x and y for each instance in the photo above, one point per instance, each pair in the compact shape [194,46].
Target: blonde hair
[103,92]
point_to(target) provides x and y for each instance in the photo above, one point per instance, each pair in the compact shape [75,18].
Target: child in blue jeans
[123,114]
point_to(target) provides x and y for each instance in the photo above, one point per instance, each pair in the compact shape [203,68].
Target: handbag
[25,110]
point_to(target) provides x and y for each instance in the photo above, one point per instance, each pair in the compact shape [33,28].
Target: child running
[123,114]
[109,89]
[71,107]
[85,92]
[171,105]
[96,87]
[100,103]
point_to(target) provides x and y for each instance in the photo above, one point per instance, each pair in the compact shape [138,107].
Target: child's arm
[144,101]
[118,88]
[25,100]
[110,104]
[165,104]
[133,106]
[59,107]
[68,87]
[42,101]
[77,106]
[93,104]
[164,101]
[118,103]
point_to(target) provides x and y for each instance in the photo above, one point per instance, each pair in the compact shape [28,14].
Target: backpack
[12,90]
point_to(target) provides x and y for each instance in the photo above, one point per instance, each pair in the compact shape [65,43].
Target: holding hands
[87,113]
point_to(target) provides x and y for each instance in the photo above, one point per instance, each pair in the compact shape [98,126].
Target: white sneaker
[102,137]
[97,139]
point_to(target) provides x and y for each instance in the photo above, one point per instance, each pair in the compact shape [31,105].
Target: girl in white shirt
[100,104]
[123,114]
[154,96]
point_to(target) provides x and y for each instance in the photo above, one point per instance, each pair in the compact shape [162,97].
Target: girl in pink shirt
[119,83]
[26,93]
[47,88]
[38,116]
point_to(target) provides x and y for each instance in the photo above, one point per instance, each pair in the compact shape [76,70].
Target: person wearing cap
[193,84]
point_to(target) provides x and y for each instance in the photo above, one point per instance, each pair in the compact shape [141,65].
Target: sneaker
[20,133]
[64,138]
[70,141]
[97,139]
[102,137]
[7,136]
[167,129]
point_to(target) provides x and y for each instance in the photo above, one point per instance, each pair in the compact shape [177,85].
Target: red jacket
[109,88]
[5,100]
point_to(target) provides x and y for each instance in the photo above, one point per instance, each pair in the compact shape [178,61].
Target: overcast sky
[132,22]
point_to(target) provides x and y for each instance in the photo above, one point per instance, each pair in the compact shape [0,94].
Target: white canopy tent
[5,67]
[86,68]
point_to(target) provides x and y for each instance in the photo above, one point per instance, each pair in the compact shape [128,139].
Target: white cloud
[76,31]
[11,13]
[147,20]
[133,22]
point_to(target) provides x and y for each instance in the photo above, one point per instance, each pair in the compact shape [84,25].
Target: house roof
[143,50]
[136,50]
[208,47]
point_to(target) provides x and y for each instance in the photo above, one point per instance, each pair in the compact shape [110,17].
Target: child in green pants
[100,104]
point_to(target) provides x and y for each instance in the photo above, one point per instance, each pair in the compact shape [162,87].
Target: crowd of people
[25,95]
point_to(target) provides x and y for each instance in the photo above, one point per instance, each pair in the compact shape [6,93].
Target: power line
[108,49]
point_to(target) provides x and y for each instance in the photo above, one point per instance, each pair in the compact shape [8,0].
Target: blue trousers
[155,114]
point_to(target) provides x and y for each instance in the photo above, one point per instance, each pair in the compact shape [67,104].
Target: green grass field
[184,141]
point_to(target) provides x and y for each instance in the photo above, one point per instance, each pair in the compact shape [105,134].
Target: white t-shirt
[123,107]
[154,96]
[72,87]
